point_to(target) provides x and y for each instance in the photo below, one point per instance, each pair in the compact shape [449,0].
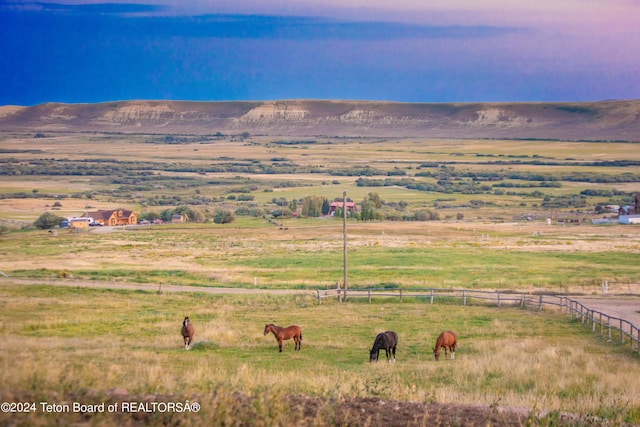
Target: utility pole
[344,241]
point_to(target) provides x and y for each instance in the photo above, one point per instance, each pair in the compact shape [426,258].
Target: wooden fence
[612,326]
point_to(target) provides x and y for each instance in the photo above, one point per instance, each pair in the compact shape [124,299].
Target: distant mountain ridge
[603,120]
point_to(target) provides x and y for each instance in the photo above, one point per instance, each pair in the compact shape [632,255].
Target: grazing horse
[387,340]
[287,333]
[446,340]
[187,333]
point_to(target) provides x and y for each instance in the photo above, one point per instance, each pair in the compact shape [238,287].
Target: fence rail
[597,320]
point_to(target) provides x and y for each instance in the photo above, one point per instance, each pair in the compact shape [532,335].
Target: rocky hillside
[606,120]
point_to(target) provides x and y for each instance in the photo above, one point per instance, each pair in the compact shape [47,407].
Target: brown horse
[287,333]
[446,340]
[187,333]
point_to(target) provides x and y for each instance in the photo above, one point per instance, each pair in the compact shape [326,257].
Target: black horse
[387,340]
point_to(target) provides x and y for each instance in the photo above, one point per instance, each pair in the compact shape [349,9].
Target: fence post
[498,299]
[601,325]
[621,333]
[400,295]
[318,291]
[369,295]
[431,296]
[540,304]
[464,297]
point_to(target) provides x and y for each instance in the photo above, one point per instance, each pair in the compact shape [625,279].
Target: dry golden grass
[66,342]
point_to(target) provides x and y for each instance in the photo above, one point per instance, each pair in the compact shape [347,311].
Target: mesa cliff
[604,120]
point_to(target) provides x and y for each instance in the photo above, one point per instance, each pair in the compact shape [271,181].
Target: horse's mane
[388,338]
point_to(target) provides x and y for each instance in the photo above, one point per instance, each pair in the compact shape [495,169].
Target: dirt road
[149,287]
[627,308]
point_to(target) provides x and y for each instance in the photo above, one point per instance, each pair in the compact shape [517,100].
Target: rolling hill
[603,121]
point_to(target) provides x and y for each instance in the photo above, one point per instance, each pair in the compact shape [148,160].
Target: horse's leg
[394,354]
[280,345]
[298,342]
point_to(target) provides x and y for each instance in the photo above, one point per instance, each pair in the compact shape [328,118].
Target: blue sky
[409,51]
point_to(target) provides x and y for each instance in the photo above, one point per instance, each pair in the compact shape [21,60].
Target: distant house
[335,206]
[178,219]
[113,217]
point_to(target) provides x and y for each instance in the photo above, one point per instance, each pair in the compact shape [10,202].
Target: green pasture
[309,255]
[59,341]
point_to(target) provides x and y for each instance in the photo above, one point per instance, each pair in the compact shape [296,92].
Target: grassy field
[62,342]
[308,255]
[501,207]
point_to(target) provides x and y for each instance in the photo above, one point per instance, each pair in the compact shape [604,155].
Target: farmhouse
[335,206]
[113,217]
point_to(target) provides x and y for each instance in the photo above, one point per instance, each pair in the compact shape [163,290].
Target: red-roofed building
[352,208]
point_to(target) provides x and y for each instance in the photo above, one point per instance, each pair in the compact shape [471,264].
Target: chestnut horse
[446,340]
[287,333]
[187,333]
[387,340]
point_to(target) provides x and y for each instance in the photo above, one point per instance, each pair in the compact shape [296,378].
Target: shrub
[426,215]
[224,217]
[47,221]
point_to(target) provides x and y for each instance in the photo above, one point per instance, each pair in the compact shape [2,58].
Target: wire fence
[613,327]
